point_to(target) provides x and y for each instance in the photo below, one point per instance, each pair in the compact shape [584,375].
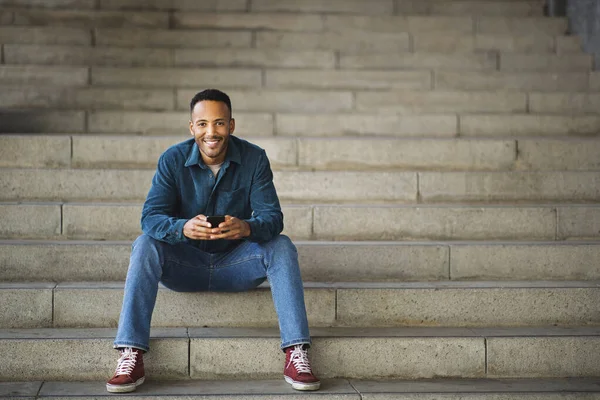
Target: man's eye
[220,123]
[202,124]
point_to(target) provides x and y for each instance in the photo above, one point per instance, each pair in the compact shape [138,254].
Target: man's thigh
[241,269]
[186,268]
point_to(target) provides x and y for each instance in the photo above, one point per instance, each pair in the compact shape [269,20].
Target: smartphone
[215,220]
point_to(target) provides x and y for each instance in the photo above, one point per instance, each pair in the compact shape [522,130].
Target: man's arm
[267,219]
[160,208]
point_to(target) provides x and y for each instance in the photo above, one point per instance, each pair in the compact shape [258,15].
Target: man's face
[211,126]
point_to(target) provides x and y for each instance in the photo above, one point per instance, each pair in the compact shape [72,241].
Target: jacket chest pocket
[234,203]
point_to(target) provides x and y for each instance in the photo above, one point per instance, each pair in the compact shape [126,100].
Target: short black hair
[212,95]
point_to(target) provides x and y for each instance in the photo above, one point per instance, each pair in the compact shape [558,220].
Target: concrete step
[506,80]
[518,125]
[349,42]
[70,185]
[87,18]
[331,389]
[68,261]
[162,57]
[44,75]
[202,353]
[122,152]
[51,35]
[314,101]
[118,221]
[595,81]
[468,7]
[452,304]
[25,54]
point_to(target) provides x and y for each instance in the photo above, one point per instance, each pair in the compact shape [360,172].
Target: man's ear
[191,130]
[231,126]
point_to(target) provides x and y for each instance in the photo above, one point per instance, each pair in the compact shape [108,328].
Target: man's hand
[233,228]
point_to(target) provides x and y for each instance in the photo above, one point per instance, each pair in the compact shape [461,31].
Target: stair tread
[278,387]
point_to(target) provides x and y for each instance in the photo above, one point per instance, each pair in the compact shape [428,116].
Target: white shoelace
[126,362]
[299,357]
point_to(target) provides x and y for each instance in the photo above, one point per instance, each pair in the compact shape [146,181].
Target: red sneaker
[129,373]
[297,371]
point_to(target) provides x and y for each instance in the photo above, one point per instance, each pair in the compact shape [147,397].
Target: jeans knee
[282,243]
[145,243]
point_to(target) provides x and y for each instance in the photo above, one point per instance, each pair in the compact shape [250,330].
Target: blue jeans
[185,268]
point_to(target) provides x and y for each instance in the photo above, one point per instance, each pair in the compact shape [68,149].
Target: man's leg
[179,266]
[277,260]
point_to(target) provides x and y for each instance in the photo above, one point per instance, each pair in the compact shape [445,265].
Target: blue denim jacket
[183,187]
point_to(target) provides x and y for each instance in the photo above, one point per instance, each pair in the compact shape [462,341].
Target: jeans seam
[238,262]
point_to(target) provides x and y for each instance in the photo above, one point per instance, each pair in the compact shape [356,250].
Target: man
[212,174]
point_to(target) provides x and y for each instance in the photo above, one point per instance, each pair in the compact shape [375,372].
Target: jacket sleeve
[159,219]
[267,219]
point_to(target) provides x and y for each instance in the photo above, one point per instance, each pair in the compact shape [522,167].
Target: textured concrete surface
[503,80]
[509,186]
[37,74]
[34,151]
[29,221]
[75,185]
[464,62]
[352,42]
[366,124]
[356,262]
[434,223]
[218,390]
[51,4]
[413,24]
[516,25]
[346,79]
[108,222]
[491,8]
[525,262]
[562,103]
[385,7]
[370,357]
[408,102]
[211,5]
[284,21]
[172,39]
[543,357]
[346,153]
[267,100]
[86,359]
[26,305]
[170,122]
[20,389]
[550,154]
[34,121]
[578,223]
[595,81]
[91,18]
[87,56]
[468,307]
[176,77]
[271,58]
[569,44]
[48,97]
[538,62]
[532,43]
[528,125]
[342,186]
[60,262]
[98,305]
[45,35]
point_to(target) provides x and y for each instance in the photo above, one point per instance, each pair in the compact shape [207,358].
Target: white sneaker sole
[125,388]
[301,385]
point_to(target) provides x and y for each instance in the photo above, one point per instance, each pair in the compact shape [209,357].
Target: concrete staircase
[438,163]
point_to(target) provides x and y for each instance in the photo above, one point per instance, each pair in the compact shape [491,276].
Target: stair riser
[370,358]
[121,222]
[330,263]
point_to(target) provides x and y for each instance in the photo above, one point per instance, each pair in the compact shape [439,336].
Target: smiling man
[213,174]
